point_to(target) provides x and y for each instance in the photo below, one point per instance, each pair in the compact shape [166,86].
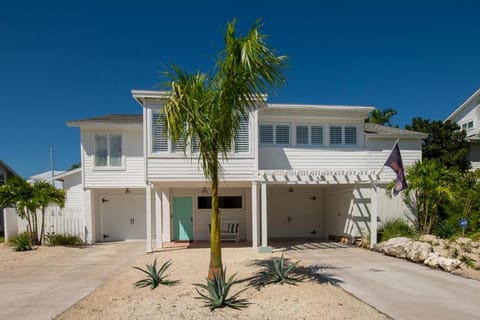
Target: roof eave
[102,124]
[400,135]
[463,105]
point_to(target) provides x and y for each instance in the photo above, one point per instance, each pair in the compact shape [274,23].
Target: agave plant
[279,270]
[154,277]
[218,290]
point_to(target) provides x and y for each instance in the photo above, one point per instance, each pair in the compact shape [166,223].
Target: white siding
[131,175]
[181,169]
[72,185]
[470,113]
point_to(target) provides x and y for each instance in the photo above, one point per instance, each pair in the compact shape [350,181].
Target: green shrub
[445,229]
[279,271]
[63,240]
[22,242]
[396,228]
[218,290]
[154,277]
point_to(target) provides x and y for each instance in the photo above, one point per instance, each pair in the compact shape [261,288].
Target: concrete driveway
[399,288]
[42,288]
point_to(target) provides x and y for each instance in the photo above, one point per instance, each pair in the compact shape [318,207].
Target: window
[343,135]
[275,134]
[470,125]
[242,139]
[335,135]
[224,202]
[108,150]
[2,179]
[317,135]
[302,134]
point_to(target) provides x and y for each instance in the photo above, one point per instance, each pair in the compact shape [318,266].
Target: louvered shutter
[242,139]
[317,135]
[350,135]
[282,134]
[266,133]
[335,135]
[302,134]
[159,140]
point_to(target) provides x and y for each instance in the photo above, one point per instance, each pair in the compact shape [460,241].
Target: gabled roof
[9,170]
[464,105]
[61,176]
[377,129]
[128,119]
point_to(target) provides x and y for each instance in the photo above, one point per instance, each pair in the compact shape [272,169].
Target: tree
[381,116]
[430,185]
[45,194]
[27,199]
[445,142]
[206,109]
[75,165]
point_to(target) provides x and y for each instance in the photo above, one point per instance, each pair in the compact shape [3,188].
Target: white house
[467,116]
[296,171]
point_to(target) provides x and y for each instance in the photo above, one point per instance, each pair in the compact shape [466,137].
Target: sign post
[463,223]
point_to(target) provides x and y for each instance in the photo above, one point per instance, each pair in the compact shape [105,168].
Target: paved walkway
[45,288]
[399,288]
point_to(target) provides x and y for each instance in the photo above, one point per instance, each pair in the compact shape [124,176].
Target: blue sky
[68,60]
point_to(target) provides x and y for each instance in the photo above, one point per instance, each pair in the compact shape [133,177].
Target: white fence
[61,221]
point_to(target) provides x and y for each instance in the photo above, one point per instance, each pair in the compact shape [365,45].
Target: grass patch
[396,228]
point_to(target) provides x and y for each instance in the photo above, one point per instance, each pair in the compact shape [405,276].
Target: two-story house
[467,116]
[296,171]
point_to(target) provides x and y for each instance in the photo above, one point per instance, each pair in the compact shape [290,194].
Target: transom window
[343,135]
[224,202]
[108,150]
[278,134]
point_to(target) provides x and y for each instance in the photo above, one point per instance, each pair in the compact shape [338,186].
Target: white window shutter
[159,140]
[242,139]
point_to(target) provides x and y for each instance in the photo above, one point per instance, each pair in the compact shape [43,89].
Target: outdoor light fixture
[290,190]
[204,190]
[126,191]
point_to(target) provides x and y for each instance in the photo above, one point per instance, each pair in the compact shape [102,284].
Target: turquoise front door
[182,219]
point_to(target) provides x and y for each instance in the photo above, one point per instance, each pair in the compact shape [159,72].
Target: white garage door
[123,217]
[295,214]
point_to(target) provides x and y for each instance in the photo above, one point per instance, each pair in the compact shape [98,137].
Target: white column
[166,214]
[88,216]
[264,216]
[373,215]
[158,219]
[148,199]
[254,214]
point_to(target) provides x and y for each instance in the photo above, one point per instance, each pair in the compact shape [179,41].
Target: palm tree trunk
[42,226]
[215,246]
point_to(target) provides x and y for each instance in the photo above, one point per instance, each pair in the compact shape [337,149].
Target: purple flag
[394,161]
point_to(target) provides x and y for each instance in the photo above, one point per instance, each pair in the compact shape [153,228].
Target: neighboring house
[296,171]
[5,173]
[467,116]
[47,176]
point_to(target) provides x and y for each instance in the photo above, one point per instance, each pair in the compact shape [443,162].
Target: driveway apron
[399,288]
[43,291]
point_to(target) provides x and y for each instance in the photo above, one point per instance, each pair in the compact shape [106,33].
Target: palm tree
[429,186]
[45,194]
[206,109]
[382,116]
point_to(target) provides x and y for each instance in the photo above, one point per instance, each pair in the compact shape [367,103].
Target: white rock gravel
[117,299]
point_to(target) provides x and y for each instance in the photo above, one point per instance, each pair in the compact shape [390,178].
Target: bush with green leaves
[154,277]
[63,240]
[279,270]
[22,242]
[396,228]
[218,290]
[446,229]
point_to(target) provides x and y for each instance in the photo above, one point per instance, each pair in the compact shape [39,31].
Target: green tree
[45,194]
[382,117]
[430,185]
[27,198]
[75,166]
[207,109]
[445,142]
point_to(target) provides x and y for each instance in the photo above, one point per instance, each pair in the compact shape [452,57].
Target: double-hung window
[343,135]
[276,134]
[108,150]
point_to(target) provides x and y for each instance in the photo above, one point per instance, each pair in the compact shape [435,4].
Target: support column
[88,217]
[148,199]
[255,214]
[166,214]
[264,247]
[373,215]
[158,219]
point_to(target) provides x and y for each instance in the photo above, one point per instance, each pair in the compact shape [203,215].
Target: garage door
[297,214]
[123,217]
